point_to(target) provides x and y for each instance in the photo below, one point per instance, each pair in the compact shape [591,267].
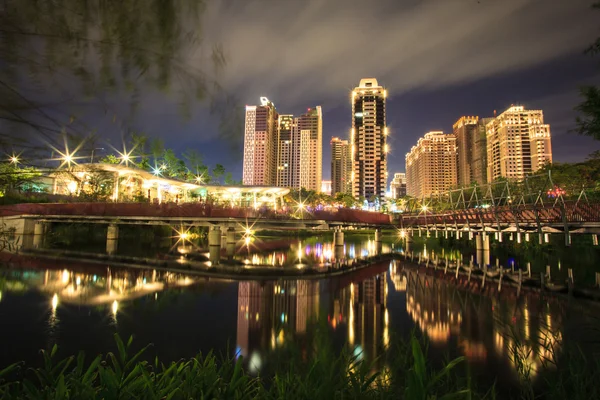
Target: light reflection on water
[362,309]
[310,252]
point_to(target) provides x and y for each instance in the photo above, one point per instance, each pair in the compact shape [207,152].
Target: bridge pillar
[500,236]
[482,242]
[595,240]
[338,237]
[214,244]
[112,238]
[38,234]
[378,235]
[231,242]
[339,255]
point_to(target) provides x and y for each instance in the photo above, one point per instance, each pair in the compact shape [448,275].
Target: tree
[218,171]
[588,122]
[54,53]
[15,178]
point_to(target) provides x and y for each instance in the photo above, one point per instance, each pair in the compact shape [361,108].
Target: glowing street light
[424,208]
[14,159]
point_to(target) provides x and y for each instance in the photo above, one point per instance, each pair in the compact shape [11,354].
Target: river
[80,307]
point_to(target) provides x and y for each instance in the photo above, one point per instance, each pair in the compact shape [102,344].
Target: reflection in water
[361,309]
[523,332]
[268,312]
[312,253]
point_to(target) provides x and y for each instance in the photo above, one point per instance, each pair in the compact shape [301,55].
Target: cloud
[299,52]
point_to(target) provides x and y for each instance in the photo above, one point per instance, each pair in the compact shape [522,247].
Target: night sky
[439,60]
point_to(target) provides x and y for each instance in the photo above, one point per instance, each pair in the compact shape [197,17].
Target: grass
[402,372]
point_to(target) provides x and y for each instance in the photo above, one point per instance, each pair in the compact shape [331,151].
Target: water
[80,307]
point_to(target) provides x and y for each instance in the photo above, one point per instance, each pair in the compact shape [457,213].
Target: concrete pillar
[39,230]
[112,238]
[339,255]
[338,237]
[479,241]
[214,244]
[230,244]
[378,235]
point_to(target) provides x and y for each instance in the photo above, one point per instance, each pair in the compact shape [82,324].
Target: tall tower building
[307,132]
[465,130]
[368,140]
[285,151]
[341,166]
[431,165]
[518,144]
[260,144]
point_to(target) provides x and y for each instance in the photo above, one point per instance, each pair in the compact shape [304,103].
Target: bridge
[194,214]
[25,225]
[539,207]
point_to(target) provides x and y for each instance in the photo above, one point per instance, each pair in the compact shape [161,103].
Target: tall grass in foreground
[403,373]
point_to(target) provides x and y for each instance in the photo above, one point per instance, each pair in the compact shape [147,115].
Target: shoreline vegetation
[312,370]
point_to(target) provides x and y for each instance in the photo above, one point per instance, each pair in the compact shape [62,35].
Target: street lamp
[93,150]
[14,160]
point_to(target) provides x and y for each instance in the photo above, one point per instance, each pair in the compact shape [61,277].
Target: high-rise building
[300,150]
[472,153]
[398,185]
[341,166]
[431,165]
[260,144]
[518,144]
[285,151]
[307,131]
[368,140]
[479,166]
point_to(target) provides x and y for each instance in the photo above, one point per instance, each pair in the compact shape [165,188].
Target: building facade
[300,150]
[398,185]
[308,132]
[368,140]
[431,165]
[518,144]
[285,151]
[260,144]
[341,166]
[470,142]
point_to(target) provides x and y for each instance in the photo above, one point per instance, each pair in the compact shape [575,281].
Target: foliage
[15,178]
[346,200]
[54,51]
[588,121]
[124,375]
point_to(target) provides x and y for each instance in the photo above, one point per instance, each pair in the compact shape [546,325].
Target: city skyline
[545,57]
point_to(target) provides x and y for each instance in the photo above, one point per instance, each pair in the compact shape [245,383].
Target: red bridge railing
[189,210]
[523,214]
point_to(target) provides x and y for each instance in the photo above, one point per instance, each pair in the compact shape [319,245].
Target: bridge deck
[191,213]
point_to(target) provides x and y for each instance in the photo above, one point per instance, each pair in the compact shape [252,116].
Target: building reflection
[271,314]
[522,331]
[268,311]
[310,253]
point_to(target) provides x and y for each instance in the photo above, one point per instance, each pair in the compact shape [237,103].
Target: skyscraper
[300,150]
[285,151]
[472,156]
[341,166]
[307,132]
[518,144]
[431,165]
[260,144]
[368,140]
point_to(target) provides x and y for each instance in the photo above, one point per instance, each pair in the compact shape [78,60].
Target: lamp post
[93,150]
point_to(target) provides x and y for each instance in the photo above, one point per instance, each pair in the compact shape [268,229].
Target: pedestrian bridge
[193,214]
